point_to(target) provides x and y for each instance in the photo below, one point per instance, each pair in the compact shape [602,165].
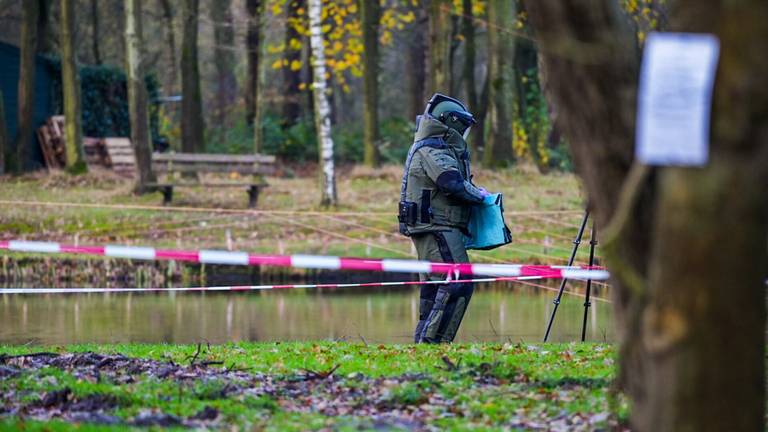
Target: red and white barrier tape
[257,287]
[310,261]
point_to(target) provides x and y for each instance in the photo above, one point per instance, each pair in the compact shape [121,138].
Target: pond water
[498,313]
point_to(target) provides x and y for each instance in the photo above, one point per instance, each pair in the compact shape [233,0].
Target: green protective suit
[438,180]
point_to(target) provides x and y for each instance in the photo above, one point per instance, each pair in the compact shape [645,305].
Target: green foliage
[104,100]
[298,143]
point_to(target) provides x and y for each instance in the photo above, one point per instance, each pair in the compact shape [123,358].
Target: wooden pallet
[120,156]
[51,138]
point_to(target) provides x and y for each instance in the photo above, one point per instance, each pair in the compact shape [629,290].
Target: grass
[455,387]
[371,233]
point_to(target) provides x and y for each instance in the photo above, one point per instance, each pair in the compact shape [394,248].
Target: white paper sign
[674,99]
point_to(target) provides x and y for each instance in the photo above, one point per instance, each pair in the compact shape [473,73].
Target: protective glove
[484,193]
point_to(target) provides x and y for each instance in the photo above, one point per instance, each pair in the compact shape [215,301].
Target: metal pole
[556,302]
[587,304]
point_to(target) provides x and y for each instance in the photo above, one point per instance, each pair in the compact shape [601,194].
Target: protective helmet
[451,112]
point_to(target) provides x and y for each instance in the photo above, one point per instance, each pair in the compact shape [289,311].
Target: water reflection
[496,313]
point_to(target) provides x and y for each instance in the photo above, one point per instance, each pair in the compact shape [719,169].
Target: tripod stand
[587,304]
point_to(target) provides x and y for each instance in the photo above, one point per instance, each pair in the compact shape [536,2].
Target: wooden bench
[176,167]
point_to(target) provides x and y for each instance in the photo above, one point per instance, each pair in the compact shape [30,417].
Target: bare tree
[192,123]
[322,107]
[370,11]
[498,149]
[476,103]
[439,46]
[224,59]
[137,95]
[253,48]
[96,39]
[686,247]
[70,80]
[417,63]
[170,39]
[26,95]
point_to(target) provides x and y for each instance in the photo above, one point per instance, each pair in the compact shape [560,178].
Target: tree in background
[498,149]
[292,62]
[70,83]
[478,105]
[253,99]
[370,14]
[253,50]
[137,94]
[686,252]
[322,107]
[95,40]
[439,75]
[172,76]
[26,94]
[192,122]
[417,54]
[224,60]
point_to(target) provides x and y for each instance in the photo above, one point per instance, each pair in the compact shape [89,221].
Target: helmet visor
[465,135]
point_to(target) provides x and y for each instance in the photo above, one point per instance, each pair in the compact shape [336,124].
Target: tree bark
[692,353]
[322,107]
[192,123]
[170,38]
[3,135]
[95,41]
[417,65]
[292,75]
[70,82]
[224,58]
[137,95]
[46,38]
[26,89]
[439,46]
[498,149]
[370,11]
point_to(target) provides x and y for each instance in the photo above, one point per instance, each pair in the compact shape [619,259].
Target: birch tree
[73,142]
[137,95]
[26,89]
[322,107]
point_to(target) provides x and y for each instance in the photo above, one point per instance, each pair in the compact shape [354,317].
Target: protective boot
[446,315]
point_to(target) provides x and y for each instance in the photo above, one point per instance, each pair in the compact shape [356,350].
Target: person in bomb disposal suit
[435,200]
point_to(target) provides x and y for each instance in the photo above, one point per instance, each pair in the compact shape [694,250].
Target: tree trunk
[692,353]
[46,38]
[170,37]
[192,123]
[254,103]
[417,55]
[96,34]
[439,46]
[3,134]
[322,108]
[470,83]
[370,11]
[26,89]
[70,83]
[253,48]
[291,73]
[498,149]
[137,95]
[224,59]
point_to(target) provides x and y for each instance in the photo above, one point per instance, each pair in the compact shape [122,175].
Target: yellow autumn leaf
[294,44]
[295,65]
[277,64]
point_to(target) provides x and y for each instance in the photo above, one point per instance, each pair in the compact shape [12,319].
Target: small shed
[43,99]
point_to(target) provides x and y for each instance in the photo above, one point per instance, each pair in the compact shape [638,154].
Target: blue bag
[486,227]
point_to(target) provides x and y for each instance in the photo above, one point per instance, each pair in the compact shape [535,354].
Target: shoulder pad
[434,142]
